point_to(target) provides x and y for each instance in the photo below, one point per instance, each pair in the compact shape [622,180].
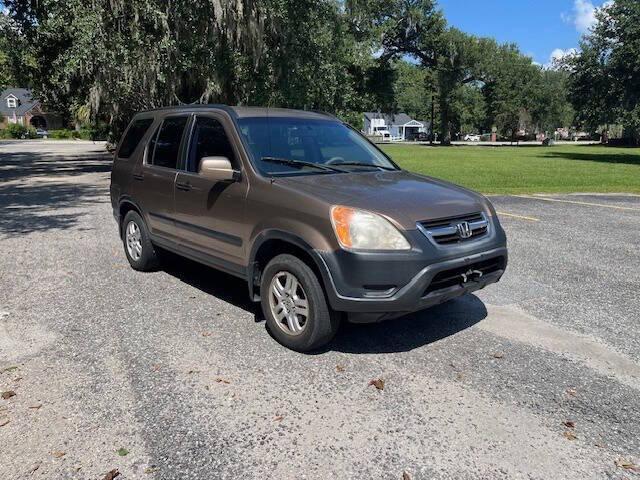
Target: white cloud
[558,54]
[583,16]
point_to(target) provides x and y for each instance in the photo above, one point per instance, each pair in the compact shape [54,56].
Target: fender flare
[127,200]
[275,234]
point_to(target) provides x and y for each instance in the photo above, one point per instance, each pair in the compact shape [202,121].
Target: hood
[404,197]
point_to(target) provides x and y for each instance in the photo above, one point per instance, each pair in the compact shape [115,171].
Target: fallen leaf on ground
[206,334]
[35,407]
[122,452]
[627,465]
[339,368]
[8,394]
[406,476]
[569,435]
[4,422]
[222,380]
[150,469]
[497,355]
[155,367]
[278,418]
[378,383]
[112,474]
[569,424]
[35,467]
[13,368]
[459,376]
[571,392]
[58,454]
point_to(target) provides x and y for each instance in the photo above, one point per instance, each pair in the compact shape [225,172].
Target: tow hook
[471,276]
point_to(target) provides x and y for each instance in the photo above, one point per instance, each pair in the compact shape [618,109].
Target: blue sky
[540,27]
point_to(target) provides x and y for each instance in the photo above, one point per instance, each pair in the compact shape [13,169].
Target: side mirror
[217,169]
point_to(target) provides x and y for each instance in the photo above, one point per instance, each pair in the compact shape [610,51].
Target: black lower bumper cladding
[434,284]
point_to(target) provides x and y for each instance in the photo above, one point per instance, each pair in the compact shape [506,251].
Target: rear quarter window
[134,135]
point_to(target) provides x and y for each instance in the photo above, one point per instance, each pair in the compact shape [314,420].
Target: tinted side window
[166,146]
[133,137]
[208,140]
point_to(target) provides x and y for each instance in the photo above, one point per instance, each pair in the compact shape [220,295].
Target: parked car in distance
[42,133]
[320,223]
[382,131]
[472,137]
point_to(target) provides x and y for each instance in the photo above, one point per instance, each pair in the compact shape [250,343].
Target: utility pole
[433,114]
[433,99]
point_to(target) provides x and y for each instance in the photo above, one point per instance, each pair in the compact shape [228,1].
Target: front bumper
[374,287]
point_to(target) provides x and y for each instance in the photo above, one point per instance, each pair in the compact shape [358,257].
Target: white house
[399,125]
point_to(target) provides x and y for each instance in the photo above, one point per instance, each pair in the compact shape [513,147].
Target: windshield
[294,146]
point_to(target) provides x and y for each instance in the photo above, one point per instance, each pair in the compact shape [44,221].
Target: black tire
[321,323]
[148,260]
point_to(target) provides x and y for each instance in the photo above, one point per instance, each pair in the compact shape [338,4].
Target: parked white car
[472,137]
[382,131]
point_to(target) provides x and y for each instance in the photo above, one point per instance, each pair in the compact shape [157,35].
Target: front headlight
[362,230]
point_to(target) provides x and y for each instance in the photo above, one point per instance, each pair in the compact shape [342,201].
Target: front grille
[448,231]
[456,276]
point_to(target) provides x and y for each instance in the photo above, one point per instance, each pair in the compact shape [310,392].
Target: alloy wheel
[289,303]
[133,238]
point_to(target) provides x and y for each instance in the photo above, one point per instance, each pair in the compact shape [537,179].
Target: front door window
[208,140]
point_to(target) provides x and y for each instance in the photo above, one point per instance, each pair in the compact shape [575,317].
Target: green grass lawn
[527,169]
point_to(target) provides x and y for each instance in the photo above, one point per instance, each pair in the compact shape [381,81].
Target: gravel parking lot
[171,375]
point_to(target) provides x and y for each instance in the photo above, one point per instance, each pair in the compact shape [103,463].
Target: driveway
[171,375]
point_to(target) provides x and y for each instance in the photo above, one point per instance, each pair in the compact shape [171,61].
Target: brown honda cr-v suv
[320,223]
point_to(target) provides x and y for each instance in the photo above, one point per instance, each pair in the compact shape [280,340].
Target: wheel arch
[271,243]
[124,207]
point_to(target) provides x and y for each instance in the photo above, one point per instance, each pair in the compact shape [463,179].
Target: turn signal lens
[361,230]
[341,218]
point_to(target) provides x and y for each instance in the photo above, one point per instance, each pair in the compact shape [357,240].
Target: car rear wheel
[295,306]
[137,243]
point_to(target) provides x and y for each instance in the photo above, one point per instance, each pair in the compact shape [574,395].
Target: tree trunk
[445,124]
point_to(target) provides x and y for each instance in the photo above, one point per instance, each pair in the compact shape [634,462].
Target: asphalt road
[171,375]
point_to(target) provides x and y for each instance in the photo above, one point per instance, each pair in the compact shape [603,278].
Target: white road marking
[521,217]
[588,204]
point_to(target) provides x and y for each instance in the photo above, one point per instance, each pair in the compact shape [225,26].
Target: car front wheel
[295,306]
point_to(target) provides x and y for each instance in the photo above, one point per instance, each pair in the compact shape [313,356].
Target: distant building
[18,106]
[398,126]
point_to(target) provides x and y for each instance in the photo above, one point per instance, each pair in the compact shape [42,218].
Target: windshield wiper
[362,164]
[299,163]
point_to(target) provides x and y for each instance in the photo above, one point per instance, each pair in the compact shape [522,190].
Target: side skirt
[208,260]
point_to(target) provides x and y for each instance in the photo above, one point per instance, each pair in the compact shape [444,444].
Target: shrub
[95,133]
[60,134]
[16,130]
